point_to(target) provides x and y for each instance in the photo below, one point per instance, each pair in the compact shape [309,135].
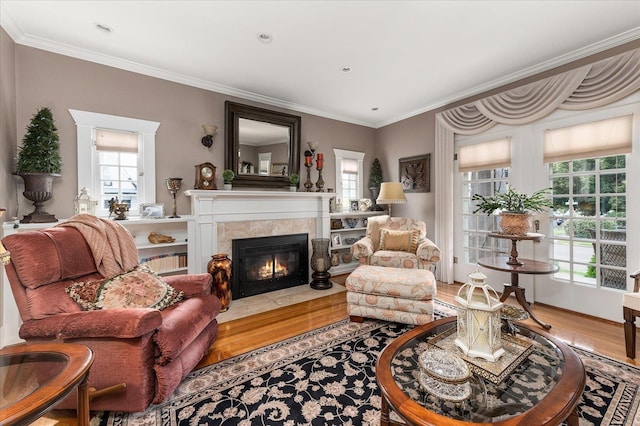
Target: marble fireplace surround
[221,216]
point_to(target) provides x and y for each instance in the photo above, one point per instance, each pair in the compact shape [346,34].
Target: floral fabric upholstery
[367,250]
[402,295]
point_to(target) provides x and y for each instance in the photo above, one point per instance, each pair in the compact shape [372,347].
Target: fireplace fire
[265,264]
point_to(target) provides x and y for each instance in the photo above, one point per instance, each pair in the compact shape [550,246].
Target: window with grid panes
[477,226]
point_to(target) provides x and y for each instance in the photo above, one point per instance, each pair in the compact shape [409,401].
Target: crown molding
[20,37]
[578,54]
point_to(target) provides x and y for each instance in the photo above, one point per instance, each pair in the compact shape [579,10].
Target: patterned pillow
[138,288]
[399,240]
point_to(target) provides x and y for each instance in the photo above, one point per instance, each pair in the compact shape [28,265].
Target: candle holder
[320,263]
[173,185]
[320,182]
[308,184]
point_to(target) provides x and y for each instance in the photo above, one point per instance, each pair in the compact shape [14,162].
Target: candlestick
[308,184]
[320,182]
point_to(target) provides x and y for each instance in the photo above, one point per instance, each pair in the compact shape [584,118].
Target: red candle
[320,161]
[308,160]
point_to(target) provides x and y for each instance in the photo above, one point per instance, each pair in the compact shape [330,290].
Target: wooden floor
[245,334]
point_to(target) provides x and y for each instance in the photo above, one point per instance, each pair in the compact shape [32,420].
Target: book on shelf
[165,262]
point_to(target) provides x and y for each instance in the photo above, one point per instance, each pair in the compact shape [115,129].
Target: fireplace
[265,264]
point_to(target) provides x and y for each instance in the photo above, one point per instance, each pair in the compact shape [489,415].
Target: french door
[589,232]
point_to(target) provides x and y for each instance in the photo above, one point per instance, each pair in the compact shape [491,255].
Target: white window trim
[343,154]
[87,121]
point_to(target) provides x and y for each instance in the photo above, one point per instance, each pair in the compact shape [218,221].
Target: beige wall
[7,123]
[63,83]
[47,79]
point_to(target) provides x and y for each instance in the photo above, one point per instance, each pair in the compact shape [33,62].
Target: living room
[34,76]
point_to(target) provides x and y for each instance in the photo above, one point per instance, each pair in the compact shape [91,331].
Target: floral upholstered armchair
[397,242]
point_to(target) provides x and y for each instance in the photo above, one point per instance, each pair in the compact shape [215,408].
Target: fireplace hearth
[265,264]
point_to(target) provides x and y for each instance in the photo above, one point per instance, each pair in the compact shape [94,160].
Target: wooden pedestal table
[38,376]
[527,266]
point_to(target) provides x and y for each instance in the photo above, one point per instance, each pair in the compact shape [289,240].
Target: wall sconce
[210,133]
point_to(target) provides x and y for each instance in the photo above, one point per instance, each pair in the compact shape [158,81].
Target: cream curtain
[587,87]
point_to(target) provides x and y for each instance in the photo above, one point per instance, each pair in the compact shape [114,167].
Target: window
[116,158]
[589,200]
[485,171]
[117,167]
[349,176]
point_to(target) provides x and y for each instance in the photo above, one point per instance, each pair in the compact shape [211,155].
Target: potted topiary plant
[293,182]
[228,176]
[514,208]
[375,180]
[38,163]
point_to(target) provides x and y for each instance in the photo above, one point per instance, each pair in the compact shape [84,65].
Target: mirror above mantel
[262,146]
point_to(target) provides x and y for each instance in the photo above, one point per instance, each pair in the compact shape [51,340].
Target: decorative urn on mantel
[479,332]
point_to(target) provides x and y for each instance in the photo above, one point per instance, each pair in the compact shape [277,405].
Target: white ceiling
[406,56]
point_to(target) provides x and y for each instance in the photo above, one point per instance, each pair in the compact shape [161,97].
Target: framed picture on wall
[415,173]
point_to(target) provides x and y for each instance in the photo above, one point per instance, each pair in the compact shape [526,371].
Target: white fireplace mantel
[256,213]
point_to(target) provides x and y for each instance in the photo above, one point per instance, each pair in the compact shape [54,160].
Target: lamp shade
[391,193]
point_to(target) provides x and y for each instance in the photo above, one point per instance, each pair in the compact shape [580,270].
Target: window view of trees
[589,219]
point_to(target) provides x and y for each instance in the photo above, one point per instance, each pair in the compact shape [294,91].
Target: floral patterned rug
[327,377]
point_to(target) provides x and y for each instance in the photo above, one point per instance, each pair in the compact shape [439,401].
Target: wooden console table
[515,267]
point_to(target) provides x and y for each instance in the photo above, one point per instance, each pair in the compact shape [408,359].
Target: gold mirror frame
[233,112]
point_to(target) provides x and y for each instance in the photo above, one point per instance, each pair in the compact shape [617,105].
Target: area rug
[327,377]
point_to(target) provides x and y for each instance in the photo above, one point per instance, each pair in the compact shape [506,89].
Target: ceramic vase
[220,269]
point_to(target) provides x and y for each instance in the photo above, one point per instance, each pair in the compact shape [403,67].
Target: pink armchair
[148,350]
[396,242]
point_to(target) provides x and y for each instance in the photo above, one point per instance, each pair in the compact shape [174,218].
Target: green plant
[228,176]
[375,176]
[512,201]
[40,150]
[294,179]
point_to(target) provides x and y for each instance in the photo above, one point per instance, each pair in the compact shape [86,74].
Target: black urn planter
[375,191]
[38,187]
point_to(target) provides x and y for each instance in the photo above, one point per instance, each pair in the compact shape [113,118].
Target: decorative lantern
[84,204]
[479,323]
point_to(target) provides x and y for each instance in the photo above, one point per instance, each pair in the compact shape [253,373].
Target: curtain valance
[587,87]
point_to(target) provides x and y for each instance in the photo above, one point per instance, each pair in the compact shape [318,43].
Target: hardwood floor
[245,334]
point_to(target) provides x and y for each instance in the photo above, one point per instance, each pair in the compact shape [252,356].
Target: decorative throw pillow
[399,240]
[138,288]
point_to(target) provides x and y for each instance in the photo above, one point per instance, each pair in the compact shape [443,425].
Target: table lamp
[391,193]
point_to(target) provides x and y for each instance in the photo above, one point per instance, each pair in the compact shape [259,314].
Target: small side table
[515,267]
[39,376]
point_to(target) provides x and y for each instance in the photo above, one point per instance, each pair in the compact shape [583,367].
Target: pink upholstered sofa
[149,350]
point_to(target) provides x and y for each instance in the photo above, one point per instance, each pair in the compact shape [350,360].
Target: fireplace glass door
[265,264]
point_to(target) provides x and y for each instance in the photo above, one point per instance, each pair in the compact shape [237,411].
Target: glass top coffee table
[35,377]
[543,388]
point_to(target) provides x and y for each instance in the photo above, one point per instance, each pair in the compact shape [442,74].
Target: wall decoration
[415,173]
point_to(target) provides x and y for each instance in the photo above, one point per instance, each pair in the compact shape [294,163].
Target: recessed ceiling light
[265,37]
[345,69]
[103,27]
